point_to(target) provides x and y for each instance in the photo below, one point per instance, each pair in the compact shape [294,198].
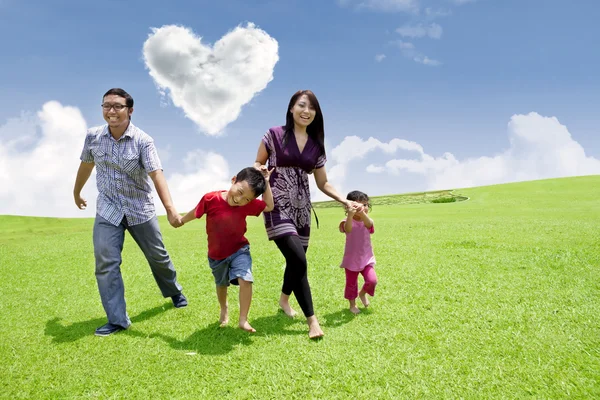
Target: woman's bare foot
[363,298]
[224,318]
[314,329]
[246,326]
[354,310]
[284,303]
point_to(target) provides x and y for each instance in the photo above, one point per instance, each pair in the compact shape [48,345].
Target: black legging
[294,278]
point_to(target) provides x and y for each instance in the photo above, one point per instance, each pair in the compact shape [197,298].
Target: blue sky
[453,93]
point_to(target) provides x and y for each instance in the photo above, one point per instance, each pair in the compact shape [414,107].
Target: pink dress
[358,252]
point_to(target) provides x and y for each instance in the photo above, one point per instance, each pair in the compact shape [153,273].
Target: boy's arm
[190,216]
[268,198]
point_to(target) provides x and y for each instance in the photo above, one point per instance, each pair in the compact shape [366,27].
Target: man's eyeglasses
[117,107]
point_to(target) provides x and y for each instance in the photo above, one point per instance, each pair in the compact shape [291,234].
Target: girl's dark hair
[359,197]
[316,129]
[255,180]
[121,93]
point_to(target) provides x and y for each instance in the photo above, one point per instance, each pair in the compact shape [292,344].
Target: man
[125,156]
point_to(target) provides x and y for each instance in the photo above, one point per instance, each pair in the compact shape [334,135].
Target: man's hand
[174,218]
[80,201]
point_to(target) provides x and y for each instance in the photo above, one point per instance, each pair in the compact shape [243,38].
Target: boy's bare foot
[314,329]
[246,326]
[224,318]
[354,310]
[363,298]
[287,309]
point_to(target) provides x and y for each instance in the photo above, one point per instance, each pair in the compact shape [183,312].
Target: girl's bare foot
[363,298]
[314,329]
[224,318]
[354,310]
[284,303]
[246,326]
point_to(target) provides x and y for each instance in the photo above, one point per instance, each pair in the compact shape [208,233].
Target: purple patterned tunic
[289,183]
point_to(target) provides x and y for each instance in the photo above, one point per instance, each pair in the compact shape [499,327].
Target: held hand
[80,202]
[174,219]
[266,172]
[354,207]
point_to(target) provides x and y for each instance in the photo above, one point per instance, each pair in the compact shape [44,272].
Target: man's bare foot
[246,326]
[354,310]
[224,318]
[287,309]
[363,298]
[314,329]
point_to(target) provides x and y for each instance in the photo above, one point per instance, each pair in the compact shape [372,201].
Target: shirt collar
[128,132]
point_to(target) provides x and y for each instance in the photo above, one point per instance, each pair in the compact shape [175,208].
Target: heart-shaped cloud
[211,84]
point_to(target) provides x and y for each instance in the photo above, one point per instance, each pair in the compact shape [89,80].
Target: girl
[358,253]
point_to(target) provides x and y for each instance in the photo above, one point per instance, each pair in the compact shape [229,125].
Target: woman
[295,150]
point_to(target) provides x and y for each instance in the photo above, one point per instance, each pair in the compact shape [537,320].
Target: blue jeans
[108,245]
[228,270]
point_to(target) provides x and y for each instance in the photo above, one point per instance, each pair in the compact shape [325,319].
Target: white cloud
[433,31]
[431,13]
[211,84]
[37,170]
[383,5]
[426,61]
[205,172]
[379,57]
[540,147]
[354,148]
[409,51]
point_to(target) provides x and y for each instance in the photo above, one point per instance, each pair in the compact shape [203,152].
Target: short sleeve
[201,207]
[149,157]
[321,161]
[255,207]
[268,139]
[86,153]
[342,230]
[372,229]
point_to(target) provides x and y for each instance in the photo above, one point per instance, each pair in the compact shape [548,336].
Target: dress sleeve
[321,161]
[268,139]
[342,226]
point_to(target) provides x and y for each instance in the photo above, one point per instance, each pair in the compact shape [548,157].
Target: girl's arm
[348,224]
[366,220]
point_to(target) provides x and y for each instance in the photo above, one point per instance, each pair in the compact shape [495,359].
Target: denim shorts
[228,270]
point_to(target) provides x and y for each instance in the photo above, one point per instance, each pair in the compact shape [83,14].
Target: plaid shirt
[122,168]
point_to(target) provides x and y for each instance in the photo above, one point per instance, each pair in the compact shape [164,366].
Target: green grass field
[494,297]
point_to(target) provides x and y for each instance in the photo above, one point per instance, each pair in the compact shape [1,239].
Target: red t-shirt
[226,225]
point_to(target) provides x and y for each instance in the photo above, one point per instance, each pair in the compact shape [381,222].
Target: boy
[228,249]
